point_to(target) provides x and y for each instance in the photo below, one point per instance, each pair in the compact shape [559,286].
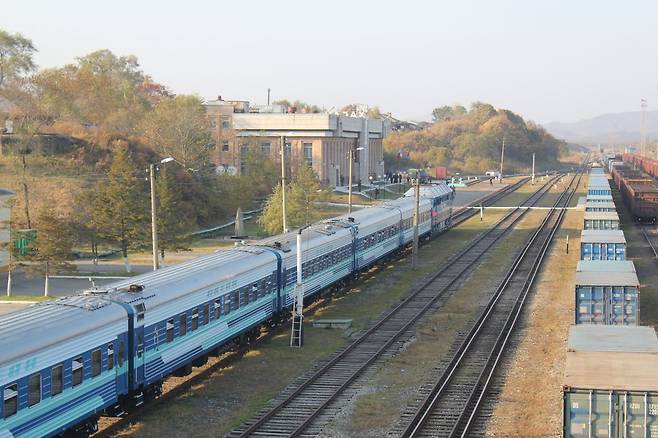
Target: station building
[322,140]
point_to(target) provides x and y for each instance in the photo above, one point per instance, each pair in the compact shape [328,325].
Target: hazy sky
[547,60]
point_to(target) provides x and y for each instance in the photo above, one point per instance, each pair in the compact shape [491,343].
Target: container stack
[610,385]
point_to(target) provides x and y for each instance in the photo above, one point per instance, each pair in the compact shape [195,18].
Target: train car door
[140,311]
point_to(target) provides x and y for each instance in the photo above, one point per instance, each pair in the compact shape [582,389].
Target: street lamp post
[352,157]
[414,252]
[154,220]
[283,182]
[10,250]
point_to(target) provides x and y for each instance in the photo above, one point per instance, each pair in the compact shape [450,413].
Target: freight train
[107,350]
[635,179]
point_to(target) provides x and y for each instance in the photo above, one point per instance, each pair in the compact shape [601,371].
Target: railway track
[450,406]
[113,425]
[296,410]
[649,241]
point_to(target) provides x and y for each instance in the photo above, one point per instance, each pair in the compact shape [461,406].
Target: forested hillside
[471,141]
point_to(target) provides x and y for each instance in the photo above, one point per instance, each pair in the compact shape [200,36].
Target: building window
[76,370]
[10,405]
[95,362]
[288,149]
[34,389]
[225,123]
[225,146]
[244,151]
[308,153]
[266,148]
[56,380]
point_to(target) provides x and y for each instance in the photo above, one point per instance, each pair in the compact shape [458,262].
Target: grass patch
[25,298]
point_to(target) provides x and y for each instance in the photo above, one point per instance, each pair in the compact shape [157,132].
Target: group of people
[397,178]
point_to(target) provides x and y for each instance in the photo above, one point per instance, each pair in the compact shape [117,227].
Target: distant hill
[606,129]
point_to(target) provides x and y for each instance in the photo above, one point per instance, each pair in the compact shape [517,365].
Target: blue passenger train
[65,362]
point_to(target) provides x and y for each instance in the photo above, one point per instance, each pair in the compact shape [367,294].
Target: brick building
[322,140]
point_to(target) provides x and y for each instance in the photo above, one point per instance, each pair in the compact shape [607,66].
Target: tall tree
[174,218]
[87,230]
[15,56]
[120,209]
[177,127]
[53,244]
[302,196]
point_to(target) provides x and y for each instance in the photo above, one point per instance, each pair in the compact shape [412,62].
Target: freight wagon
[639,191]
[607,292]
[602,245]
[597,220]
[610,386]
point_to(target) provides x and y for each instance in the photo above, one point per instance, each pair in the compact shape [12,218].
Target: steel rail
[428,404]
[515,215]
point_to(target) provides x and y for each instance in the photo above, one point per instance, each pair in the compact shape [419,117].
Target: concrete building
[322,140]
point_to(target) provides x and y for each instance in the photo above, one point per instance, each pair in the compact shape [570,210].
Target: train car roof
[602,236]
[429,190]
[174,281]
[605,215]
[45,324]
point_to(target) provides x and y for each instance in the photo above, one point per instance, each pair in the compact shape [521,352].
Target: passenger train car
[103,352]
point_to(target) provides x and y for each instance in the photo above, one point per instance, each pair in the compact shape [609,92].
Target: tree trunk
[45,288]
[26,193]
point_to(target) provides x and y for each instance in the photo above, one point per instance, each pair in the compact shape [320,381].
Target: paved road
[24,284]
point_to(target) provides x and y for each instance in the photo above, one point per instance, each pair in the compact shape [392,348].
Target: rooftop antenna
[643,127]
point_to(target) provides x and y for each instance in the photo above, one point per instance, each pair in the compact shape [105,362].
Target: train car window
[110,357]
[140,345]
[235,300]
[76,371]
[141,309]
[56,380]
[206,313]
[122,353]
[254,292]
[10,402]
[182,321]
[195,319]
[34,389]
[170,330]
[95,362]
[218,308]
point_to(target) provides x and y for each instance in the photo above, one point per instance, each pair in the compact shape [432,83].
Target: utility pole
[349,182]
[502,160]
[283,182]
[352,158]
[297,333]
[643,127]
[533,168]
[154,223]
[9,254]
[268,96]
[414,253]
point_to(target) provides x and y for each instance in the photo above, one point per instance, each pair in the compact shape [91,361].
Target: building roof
[607,215]
[612,358]
[602,236]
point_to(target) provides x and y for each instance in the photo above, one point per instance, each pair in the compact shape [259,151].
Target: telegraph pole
[643,127]
[283,182]
[533,168]
[502,160]
[9,252]
[414,253]
[154,223]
